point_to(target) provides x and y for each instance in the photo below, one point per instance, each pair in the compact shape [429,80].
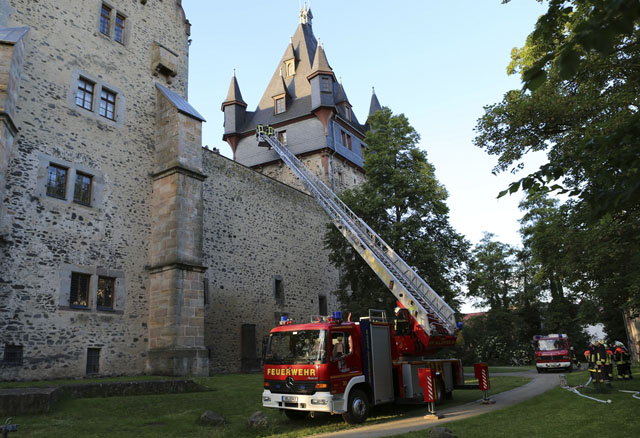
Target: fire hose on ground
[574,389]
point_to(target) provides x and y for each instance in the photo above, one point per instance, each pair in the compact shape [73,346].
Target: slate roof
[12,34]
[375,104]
[234,95]
[180,103]
[310,58]
[341,95]
[320,64]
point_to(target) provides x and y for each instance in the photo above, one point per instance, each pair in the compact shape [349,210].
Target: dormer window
[290,67]
[347,112]
[325,85]
[280,105]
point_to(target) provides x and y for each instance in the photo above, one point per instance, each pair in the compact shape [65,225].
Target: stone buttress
[176,295]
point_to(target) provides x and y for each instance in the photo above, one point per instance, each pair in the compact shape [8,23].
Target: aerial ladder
[434,316]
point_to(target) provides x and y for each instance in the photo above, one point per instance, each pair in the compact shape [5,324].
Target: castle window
[57,181]
[347,112]
[280,105]
[79,293]
[282,137]
[362,150]
[93,361]
[12,354]
[349,142]
[344,138]
[278,290]
[106,293]
[82,189]
[92,288]
[107,104]
[118,33]
[290,67]
[325,85]
[322,305]
[105,19]
[84,96]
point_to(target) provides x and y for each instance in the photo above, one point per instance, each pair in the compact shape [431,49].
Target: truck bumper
[553,365]
[318,402]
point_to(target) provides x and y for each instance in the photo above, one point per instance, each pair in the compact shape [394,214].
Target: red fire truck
[552,352]
[344,367]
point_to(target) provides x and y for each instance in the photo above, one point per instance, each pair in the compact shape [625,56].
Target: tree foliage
[581,75]
[405,204]
[580,69]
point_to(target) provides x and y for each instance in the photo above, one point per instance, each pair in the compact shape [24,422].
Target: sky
[439,62]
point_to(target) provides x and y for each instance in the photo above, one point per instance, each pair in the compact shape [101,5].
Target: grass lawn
[235,396]
[58,382]
[499,369]
[559,413]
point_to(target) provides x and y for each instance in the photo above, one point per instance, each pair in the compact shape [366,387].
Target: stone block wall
[46,235]
[258,230]
[11,59]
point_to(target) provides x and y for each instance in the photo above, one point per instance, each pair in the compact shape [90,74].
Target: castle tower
[235,111]
[310,112]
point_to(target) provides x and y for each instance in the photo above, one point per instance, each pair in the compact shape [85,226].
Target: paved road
[540,383]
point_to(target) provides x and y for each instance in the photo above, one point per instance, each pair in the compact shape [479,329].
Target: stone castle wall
[49,238]
[258,230]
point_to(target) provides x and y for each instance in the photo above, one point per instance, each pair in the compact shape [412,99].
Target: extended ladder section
[432,313]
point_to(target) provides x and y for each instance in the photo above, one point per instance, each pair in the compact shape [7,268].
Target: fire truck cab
[552,352]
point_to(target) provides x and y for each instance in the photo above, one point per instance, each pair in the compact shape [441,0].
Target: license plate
[290,398]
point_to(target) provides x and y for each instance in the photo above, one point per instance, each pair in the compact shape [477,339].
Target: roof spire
[375,104]
[233,95]
[305,14]
[320,64]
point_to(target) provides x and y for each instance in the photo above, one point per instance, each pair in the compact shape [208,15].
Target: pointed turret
[235,112]
[375,104]
[234,96]
[322,81]
[320,64]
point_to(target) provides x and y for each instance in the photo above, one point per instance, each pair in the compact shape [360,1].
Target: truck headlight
[319,401]
[266,398]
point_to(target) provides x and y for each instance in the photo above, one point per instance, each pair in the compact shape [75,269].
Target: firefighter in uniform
[574,358]
[623,361]
[595,355]
[608,365]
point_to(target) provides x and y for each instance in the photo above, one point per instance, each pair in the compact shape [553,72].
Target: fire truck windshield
[297,347]
[550,345]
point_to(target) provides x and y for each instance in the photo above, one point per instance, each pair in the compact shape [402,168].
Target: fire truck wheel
[295,415]
[539,370]
[358,409]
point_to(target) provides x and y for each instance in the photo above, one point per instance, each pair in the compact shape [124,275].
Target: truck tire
[358,408]
[295,415]
[539,370]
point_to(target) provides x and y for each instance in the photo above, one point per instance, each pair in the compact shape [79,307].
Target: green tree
[491,273]
[403,202]
[579,104]
[583,109]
